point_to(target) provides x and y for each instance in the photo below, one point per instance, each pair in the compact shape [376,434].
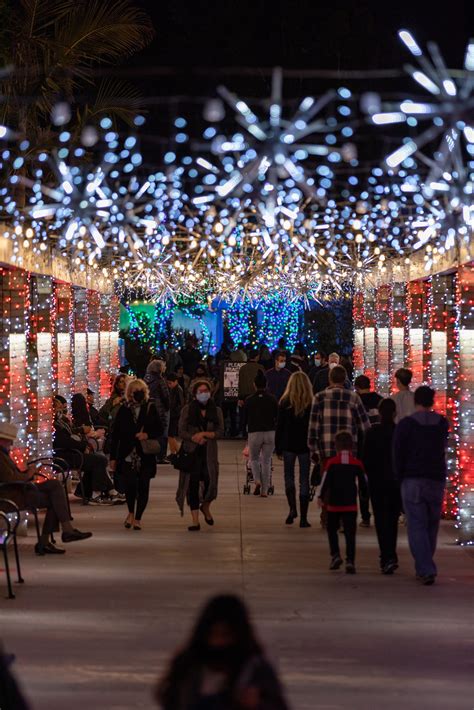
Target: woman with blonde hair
[291,442]
[134,448]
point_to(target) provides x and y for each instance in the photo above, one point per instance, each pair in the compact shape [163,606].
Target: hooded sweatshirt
[419,446]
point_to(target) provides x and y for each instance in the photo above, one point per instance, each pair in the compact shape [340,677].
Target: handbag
[150,447]
[184,460]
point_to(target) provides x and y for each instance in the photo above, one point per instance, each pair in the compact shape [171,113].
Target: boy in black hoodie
[339,494]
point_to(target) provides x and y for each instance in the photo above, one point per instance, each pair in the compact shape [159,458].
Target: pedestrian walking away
[339,494]
[419,450]
[262,412]
[291,443]
[384,489]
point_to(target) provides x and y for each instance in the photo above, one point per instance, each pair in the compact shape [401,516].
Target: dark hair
[172,377]
[89,391]
[362,382]
[343,441]
[338,375]
[424,396]
[117,379]
[253,354]
[387,410]
[225,609]
[260,380]
[79,410]
[201,366]
[404,376]
[60,398]
[198,384]
[280,353]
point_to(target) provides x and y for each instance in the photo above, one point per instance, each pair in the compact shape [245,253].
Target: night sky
[301,33]
[200,44]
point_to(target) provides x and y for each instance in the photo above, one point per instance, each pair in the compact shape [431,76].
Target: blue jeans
[423,502]
[289,464]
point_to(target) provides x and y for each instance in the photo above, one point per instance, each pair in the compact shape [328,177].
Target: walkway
[94,629]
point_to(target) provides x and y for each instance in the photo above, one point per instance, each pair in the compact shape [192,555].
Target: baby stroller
[250,478]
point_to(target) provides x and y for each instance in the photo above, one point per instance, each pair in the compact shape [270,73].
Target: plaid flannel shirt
[335,409]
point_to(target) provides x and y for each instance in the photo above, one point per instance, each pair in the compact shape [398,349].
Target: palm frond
[117,99]
[39,15]
[103,30]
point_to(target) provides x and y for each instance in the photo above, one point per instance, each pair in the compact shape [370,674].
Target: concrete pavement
[94,629]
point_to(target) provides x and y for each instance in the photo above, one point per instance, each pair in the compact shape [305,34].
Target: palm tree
[56,47]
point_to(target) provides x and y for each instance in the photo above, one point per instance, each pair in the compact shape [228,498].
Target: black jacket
[176,402]
[124,434]
[377,455]
[262,411]
[63,437]
[292,431]
[371,401]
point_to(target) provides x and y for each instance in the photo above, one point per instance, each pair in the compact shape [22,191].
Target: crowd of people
[360,451]
[363,454]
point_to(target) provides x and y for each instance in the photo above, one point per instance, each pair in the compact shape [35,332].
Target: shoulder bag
[150,447]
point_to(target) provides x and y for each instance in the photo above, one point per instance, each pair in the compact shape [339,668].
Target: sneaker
[102,499]
[389,567]
[427,579]
[350,568]
[97,500]
[364,524]
[336,562]
[117,499]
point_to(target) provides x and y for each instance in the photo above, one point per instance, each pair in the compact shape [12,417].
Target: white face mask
[280,365]
[317,361]
[332,364]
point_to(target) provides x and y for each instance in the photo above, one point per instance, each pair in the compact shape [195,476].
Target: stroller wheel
[271,490]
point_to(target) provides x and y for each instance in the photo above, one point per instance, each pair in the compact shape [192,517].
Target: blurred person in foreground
[222,667]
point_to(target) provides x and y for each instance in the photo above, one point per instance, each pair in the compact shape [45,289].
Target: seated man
[49,495]
[95,476]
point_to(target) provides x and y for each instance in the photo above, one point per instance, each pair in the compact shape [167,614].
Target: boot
[304,505]
[291,498]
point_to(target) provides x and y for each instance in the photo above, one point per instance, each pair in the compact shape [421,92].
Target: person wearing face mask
[319,360]
[200,376]
[321,380]
[278,376]
[200,425]
[137,420]
[222,666]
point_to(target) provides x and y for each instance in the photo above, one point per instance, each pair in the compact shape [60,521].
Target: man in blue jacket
[419,450]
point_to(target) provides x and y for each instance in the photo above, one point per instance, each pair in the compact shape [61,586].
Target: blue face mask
[203,397]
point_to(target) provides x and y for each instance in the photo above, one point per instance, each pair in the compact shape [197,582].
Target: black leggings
[201,474]
[137,492]
[349,521]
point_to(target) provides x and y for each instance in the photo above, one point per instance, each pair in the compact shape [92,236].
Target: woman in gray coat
[200,425]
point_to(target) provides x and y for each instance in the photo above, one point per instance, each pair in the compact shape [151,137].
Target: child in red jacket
[339,494]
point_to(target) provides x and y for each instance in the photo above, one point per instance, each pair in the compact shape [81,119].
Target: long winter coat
[186,432]
[124,439]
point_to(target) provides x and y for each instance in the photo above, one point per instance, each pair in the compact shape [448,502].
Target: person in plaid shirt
[335,409]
